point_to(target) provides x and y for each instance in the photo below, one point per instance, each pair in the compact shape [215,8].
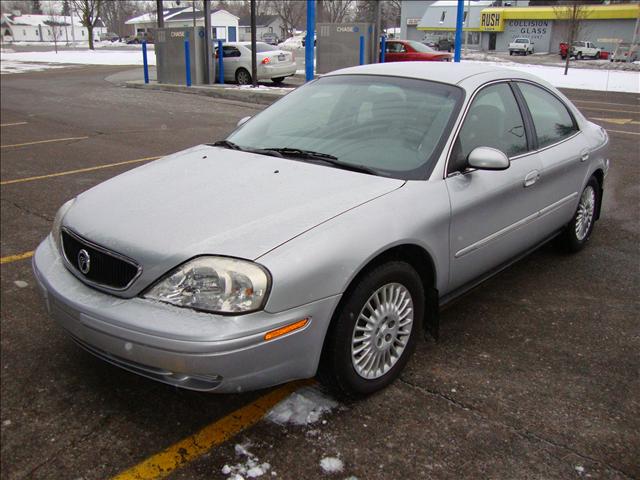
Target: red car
[411,51]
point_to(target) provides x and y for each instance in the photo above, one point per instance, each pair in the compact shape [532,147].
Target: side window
[551,118]
[228,51]
[493,120]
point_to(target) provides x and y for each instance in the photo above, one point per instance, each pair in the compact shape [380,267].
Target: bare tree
[36,9]
[9,6]
[89,15]
[56,23]
[115,14]
[335,11]
[291,12]
[572,15]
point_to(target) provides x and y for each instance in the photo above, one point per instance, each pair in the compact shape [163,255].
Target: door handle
[531,178]
[584,155]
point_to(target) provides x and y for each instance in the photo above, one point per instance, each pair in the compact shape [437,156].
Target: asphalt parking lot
[536,374]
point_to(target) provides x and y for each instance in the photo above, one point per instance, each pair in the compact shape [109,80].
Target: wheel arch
[419,259]
[599,176]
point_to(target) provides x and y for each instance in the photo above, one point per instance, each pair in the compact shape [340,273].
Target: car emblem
[84,261]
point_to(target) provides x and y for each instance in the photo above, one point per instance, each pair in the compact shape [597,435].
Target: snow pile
[304,407]
[292,43]
[250,468]
[83,57]
[331,465]
[583,78]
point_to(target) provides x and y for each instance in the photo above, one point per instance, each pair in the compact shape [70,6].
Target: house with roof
[224,25]
[265,24]
[16,27]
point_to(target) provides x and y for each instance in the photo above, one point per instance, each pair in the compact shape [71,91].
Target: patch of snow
[582,79]
[6,423]
[20,283]
[83,57]
[580,469]
[331,465]
[303,407]
[250,468]
[11,67]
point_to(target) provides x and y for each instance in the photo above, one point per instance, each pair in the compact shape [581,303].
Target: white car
[581,50]
[273,64]
[521,45]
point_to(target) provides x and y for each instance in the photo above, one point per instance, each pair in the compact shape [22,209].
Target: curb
[262,97]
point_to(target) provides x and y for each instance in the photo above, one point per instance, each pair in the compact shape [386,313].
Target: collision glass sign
[491,22]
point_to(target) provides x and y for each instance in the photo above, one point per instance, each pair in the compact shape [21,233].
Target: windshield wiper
[324,157]
[233,146]
[227,144]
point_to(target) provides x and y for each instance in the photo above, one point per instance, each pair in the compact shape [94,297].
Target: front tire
[578,231]
[374,333]
[243,77]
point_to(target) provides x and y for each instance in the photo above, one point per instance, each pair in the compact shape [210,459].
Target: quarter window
[493,120]
[551,118]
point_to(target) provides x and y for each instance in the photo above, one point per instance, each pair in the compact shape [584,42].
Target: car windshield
[521,40]
[394,126]
[420,47]
[262,47]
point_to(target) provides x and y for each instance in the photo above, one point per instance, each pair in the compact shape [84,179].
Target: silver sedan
[322,236]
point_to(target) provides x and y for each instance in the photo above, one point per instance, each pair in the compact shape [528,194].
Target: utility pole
[73,32]
[254,62]
[194,13]
[209,77]
[378,33]
[466,34]
[160,13]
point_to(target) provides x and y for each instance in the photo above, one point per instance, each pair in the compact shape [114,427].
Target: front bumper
[179,346]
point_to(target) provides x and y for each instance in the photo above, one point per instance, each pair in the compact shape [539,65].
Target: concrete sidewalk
[262,95]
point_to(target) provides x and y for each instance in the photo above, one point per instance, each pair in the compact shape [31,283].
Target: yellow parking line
[15,258]
[43,141]
[622,131]
[179,454]
[12,124]
[609,110]
[603,103]
[80,170]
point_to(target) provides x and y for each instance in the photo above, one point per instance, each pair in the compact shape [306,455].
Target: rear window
[262,47]
[522,40]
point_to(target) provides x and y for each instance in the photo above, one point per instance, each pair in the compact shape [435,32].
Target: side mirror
[487,158]
[243,120]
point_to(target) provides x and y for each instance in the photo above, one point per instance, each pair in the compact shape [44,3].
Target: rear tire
[374,332]
[579,56]
[578,231]
[243,77]
[278,79]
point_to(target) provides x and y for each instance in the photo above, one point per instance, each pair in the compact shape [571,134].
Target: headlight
[57,222]
[214,284]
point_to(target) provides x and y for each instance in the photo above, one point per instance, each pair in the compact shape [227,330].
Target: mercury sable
[322,235]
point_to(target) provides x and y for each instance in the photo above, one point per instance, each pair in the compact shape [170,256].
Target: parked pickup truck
[521,45]
[581,50]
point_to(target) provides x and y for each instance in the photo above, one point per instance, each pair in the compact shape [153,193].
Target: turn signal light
[292,327]
[265,61]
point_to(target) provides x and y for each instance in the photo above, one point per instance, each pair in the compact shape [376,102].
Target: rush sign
[491,22]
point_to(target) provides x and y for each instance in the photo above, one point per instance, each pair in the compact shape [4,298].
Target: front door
[232,34]
[492,41]
[492,212]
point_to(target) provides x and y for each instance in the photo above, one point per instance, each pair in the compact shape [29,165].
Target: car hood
[209,200]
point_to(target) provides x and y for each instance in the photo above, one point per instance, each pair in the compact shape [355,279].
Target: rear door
[492,212]
[563,153]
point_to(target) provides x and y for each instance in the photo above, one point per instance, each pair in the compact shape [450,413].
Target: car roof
[444,72]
